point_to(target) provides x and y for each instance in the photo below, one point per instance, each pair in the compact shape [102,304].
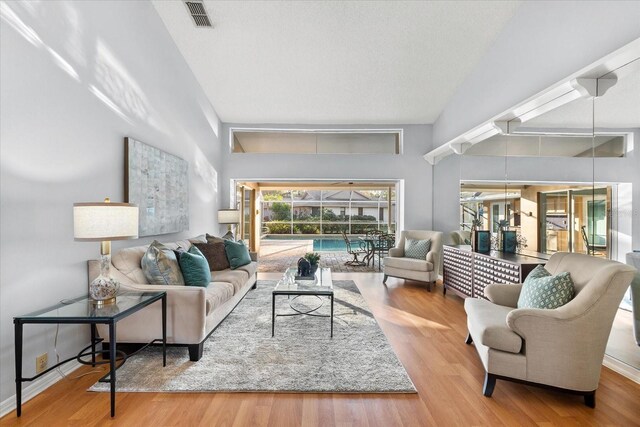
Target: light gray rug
[302,357]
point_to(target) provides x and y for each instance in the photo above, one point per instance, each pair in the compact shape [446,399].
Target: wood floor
[427,332]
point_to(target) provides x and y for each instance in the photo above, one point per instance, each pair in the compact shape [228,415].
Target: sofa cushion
[128,261]
[250,268]
[542,290]
[487,323]
[237,253]
[214,239]
[408,264]
[415,248]
[160,265]
[195,268]
[238,278]
[215,255]
[217,294]
[202,238]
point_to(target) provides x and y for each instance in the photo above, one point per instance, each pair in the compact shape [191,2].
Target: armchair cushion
[487,324]
[415,248]
[545,290]
[408,264]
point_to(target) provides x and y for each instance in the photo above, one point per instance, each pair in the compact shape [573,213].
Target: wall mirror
[566,180]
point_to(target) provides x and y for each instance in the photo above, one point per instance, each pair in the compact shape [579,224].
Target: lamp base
[103,290]
[100,303]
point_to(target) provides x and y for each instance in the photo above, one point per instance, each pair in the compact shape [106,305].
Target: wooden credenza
[467,273]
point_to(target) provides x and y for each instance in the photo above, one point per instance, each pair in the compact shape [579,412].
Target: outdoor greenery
[281,211]
[298,212]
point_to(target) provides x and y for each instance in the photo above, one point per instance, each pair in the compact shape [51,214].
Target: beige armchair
[397,265]
[561,348]
[460,237]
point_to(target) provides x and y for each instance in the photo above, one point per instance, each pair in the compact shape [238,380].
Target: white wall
[76,78]
[543,43]
[408,166]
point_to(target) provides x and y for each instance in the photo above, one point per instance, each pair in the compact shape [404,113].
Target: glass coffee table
[319,286]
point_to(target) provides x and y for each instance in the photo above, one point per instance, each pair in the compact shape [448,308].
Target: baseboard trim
[38,386]
[622,368]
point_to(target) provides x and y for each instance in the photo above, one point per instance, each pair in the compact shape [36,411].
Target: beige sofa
[192,312]
[422,270]
[561,348]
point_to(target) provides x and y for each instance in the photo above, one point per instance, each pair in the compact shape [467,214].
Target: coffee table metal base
[298,312]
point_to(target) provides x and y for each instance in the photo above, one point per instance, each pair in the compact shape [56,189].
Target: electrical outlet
[41,362]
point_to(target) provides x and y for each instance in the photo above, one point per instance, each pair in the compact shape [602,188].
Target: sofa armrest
[503,294]
[186,314]
[396,252]
[254,256]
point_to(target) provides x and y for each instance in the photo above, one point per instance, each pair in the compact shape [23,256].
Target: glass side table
[82,311]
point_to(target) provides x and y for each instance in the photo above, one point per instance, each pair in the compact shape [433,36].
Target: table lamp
[104,222]
[229,217]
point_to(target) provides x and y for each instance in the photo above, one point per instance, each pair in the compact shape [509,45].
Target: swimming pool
[320,244]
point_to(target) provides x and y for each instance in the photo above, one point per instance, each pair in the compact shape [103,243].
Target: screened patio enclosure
[328,211]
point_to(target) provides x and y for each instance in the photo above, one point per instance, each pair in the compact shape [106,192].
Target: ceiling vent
[198,13]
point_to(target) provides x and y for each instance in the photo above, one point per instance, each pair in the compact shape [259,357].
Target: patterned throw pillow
[542,290]
[418,249]
[536,273]
[160,265]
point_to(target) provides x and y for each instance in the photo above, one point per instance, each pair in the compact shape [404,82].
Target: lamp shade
[104,221]
[228,216]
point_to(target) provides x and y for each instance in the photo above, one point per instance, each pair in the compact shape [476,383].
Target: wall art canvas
[158,182]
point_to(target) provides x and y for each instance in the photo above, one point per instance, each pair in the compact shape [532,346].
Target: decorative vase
[103,289]
[314,268]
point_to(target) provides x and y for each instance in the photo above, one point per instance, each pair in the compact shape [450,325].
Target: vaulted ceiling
[334,62]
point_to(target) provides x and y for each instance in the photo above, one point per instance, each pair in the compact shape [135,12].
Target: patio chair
[355,252]
[381,247]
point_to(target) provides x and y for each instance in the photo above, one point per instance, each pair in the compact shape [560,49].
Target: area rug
[241,355]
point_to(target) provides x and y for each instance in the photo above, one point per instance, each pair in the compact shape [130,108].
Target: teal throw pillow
[542,290]
[160,265]
[536,273]
[195,268]
[237,254]
[418,249]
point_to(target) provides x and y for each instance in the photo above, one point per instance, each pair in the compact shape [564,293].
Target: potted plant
[313,258]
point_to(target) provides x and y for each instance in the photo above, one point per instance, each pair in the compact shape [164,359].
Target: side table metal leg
[93,345]
[18,357]
[164,330]
[112,365]
[273,315]
[331,316]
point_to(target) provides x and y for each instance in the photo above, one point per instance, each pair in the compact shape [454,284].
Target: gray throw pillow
[418,249]
[542,290]
[160,265]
